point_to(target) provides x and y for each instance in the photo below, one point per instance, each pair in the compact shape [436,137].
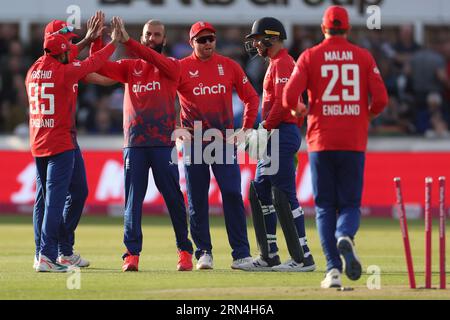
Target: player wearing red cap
[74,205]
[205,91]
[149,121]
[94,29]
[345,91]
[52,86]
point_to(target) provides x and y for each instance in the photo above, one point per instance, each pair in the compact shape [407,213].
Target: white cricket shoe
[46,265]
[332,279]
[35,262]
[238,263]
[205,262]
[74,260]
[307,265]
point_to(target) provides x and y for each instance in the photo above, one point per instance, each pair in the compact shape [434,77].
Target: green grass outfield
[99,239]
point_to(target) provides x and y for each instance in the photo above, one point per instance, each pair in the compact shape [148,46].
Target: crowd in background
[417,77]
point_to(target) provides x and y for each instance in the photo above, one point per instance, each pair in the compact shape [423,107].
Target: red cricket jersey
[205,91]
[52,89]
[277,75]
[339,77]
[73,53]
[149,115]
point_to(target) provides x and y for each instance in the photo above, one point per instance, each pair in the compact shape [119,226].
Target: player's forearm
[275,116]
[291,93]
[96,78]
[96,45]
[169,67]
[379,96]
[94,62]
[250,111]
[83,44]
[378,104]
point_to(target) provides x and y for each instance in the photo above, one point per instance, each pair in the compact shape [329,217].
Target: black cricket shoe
[352,265]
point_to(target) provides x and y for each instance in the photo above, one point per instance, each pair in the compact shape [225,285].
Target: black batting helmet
[269,27]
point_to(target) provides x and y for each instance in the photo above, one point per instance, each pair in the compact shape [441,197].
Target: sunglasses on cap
[204,39]
[64,30]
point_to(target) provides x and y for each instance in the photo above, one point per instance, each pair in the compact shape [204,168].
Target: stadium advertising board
[106,192]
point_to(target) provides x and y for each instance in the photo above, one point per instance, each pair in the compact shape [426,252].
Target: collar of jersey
[335,40]
[280,53]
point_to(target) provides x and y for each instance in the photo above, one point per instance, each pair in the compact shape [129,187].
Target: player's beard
[65,59]
[159,47]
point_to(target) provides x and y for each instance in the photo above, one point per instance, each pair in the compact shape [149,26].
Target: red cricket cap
[56,44]
[58,25]
[336,17]
[198,27]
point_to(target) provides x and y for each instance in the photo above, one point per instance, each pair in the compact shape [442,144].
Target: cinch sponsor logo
[151,86]
[281,80]
[202,90]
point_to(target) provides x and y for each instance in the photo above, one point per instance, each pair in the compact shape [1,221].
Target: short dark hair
[337,32]
[154,22]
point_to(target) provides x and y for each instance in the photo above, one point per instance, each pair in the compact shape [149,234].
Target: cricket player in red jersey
[266,39]
[345,91]
[149,121]
[74,203]
[205,91]
[52,87]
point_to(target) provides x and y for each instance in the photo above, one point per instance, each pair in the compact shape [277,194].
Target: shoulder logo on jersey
[244,80]
[75,88]
[220,69]
[193,74]
[376,70]
[76,64]
[137,73]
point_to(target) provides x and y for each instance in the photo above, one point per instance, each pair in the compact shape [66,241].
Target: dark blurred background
[416,75]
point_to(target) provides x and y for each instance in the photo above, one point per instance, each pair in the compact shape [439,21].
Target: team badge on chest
[220,69]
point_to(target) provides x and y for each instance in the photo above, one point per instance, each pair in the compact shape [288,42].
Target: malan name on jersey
[338,56]
[337,109]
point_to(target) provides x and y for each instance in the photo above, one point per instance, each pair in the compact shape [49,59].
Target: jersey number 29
[33,94]
[344,75]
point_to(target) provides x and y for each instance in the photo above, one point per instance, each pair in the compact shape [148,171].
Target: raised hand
[95,26]
[116,32]
[101,18]
[125,36]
